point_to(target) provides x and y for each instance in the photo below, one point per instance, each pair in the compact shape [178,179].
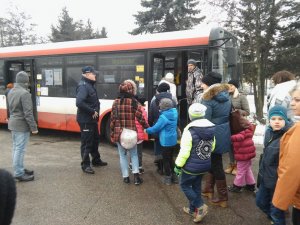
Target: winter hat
[234,83]
[88,69]
[133,84]
[163,87]
[192,61]
[197,110]
[165,103]
[169,77]
[212,78]
[22,78]
[278,110]
[126,87]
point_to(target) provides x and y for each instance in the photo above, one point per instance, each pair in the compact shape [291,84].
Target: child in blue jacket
[194,159]
[267,175]
[166,127]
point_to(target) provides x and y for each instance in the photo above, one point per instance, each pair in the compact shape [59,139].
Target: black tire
[107,131]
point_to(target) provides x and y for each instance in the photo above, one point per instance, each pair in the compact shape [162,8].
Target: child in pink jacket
[141,135]
[244,151]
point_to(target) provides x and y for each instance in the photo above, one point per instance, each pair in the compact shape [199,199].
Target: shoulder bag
[237,121]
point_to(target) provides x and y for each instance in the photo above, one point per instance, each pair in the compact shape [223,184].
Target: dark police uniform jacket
[87,101]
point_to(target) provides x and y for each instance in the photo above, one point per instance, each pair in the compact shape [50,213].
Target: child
[193,160]
[141,136]
[244,151]
[166,126]
[278,125]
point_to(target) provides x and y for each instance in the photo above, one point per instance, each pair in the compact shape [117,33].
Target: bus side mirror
[232,54]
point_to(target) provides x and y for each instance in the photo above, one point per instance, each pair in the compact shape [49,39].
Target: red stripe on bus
[3,116]
[113,47]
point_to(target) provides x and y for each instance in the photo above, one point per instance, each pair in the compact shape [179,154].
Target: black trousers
[89,143]
[296,216]
[217,167]
[168,161]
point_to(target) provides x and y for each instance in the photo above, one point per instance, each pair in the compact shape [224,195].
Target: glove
[177,170]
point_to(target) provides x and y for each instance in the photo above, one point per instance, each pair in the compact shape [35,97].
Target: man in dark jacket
[88,107]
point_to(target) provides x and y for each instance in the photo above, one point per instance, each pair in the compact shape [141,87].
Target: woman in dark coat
[216,99]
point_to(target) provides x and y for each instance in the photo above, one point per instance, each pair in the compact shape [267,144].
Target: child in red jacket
[244,151]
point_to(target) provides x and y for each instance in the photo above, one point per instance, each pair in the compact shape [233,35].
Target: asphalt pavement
[62,194]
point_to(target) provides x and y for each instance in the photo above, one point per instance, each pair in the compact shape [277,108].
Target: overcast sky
[115,15]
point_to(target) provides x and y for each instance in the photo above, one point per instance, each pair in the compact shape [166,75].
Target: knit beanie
[22,78]
[197,110]
[192,61]
[165,103]
[212,78]
[234,83]
[133,85]
[126,87]
[163,87]
[278,110]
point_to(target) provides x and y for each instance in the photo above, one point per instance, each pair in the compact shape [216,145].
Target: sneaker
[188,211]
[126,180]
[141,171]
[88,170]
[235,189]
[99,163]
[200,213]
[25,177]
[28,172]
[137,179]
[250,187]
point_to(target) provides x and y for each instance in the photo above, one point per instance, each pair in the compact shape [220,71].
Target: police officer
[88,107]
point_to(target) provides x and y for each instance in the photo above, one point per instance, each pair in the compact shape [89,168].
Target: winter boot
[234,171]
[200,213]
[222,198]
[208,190]
[167,180]
[234,188]
[137,179]
[250,187]
[229,169]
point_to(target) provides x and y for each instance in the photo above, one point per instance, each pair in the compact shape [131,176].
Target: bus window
[74,65]
[115,68]
[52,82]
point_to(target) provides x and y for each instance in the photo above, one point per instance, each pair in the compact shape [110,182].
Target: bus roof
[149,41]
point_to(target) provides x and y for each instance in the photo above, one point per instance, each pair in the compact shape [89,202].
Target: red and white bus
[55,69]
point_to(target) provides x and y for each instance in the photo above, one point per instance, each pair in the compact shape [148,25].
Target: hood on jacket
[171,114]
[219,92]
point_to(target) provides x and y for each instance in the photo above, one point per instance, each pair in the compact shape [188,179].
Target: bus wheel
[107,131]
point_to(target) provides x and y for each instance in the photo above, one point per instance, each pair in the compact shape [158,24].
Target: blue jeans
[264,202]
[19,140]
[124,161]
[191,186]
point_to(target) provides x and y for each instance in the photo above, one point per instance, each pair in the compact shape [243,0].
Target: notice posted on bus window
[139,68]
